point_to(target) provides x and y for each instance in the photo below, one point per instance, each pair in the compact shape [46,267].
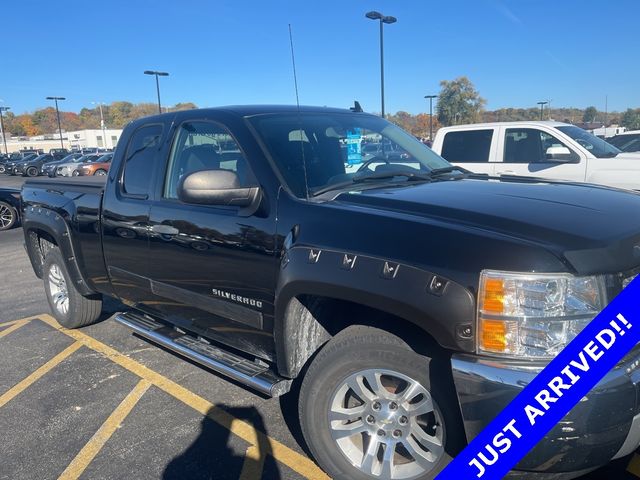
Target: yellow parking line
[634,465]
[108,428]
[13,328]
[253,464]
[283,454]
[25,319]
[35,376]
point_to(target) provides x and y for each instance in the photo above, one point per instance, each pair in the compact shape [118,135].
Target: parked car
[627,141]
[412,303]
[98,166]
[10,167]
[9,208]
[34,167]
[67,169]
[49,169]
[540,149]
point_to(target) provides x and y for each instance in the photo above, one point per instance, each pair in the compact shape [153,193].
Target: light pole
[58,115]
[431,97]
[542,104]
[383,19]
[4,136]
[102,127]
[157,74]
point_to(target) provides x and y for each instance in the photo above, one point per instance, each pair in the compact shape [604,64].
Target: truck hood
[596,229]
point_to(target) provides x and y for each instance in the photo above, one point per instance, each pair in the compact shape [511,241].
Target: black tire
[8,216]
[31,172]
[101,172]
[361,348]
[81,311]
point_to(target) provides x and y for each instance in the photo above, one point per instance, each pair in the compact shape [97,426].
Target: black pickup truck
[405,301]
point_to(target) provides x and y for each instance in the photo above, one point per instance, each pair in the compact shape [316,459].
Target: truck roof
[549,123]
[249,110]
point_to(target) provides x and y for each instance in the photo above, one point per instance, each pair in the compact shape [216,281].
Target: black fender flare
[48,221]
[446,313]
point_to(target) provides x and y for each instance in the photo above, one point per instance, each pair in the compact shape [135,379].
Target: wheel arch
[43,229]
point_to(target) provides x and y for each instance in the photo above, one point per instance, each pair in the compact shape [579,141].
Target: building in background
[80,139]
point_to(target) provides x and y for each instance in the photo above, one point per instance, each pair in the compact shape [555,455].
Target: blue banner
[552,393]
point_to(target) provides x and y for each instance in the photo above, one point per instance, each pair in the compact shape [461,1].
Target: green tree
[631,119]
[590,114]
[459,102]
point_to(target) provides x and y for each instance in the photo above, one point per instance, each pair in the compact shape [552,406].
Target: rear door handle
[164,230]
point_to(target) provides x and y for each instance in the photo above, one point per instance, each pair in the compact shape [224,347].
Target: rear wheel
[76,173]
[70,308]
[370,409]
[100,172]
[8,216]
[32,172]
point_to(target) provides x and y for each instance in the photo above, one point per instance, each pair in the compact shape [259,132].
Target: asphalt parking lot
[102,403]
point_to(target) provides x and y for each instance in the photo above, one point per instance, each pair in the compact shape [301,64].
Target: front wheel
[32,172]
[70,308]
[100,172]
[371,409]
[8,216]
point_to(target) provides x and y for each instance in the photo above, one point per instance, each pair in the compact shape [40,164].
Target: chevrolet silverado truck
[552,150]
[404,302]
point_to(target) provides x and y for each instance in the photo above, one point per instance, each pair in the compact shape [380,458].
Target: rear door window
[472,146]
[139,159]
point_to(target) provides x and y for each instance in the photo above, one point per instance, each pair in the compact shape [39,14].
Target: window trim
[121,189]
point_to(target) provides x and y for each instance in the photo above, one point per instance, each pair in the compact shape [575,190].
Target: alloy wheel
[58,289]
[6,216]
[386,424]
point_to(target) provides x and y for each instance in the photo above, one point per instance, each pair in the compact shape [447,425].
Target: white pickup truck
[551,150]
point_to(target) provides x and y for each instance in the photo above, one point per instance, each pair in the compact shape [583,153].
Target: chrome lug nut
[371,419]
[397,434]
[381,433]
[393,406]
[376,406]
[403,420]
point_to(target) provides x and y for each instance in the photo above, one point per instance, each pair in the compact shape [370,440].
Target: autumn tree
[459,102]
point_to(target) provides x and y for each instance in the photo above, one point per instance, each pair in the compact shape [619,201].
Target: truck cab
[551,150]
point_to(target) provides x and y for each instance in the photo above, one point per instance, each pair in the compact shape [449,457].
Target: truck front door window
[204,146]
[528,145]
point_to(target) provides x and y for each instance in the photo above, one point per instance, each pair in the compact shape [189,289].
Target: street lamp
[58,115]
[383,19]
[431,97]
[102,127]
[4,136]
[542,104]
[157,74]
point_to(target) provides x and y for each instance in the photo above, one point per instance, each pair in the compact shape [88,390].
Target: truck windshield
[314,151]
[596,146]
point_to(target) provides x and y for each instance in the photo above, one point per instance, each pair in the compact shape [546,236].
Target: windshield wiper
[390,174]
[411,176]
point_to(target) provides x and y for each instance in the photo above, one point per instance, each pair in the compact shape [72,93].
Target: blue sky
[222,52]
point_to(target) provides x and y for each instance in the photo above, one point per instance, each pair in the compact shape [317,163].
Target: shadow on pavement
[211,456]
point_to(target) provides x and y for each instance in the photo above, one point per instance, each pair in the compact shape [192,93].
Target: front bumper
[603,426]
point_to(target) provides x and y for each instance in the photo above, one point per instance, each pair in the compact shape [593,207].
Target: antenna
[295,82]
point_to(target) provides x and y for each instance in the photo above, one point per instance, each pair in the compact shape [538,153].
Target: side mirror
[560,155]
[216,187]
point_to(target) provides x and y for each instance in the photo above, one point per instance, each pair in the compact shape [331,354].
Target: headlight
[528,315]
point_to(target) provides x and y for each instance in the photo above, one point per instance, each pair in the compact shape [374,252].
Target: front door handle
[164,230]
